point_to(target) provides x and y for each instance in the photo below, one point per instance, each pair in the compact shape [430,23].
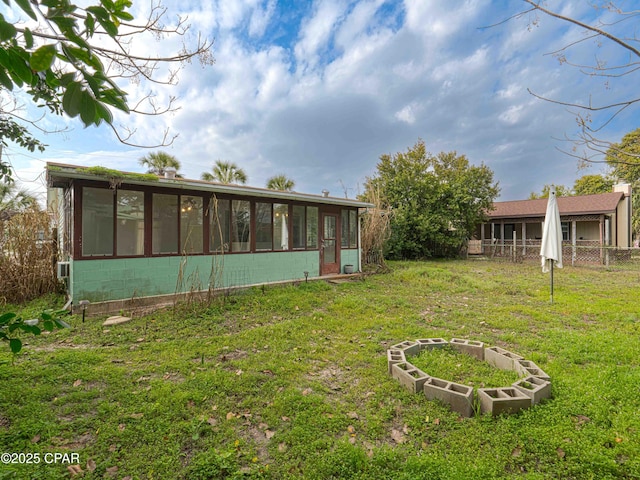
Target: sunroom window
[312,227]
[191,224]
[165,224]
[349,222]
[97,224]
[264,240]
[298,227]
[220,225]
[241,225]
[130,222]
[280,226]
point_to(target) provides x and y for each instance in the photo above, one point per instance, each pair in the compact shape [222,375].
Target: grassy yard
[291,382]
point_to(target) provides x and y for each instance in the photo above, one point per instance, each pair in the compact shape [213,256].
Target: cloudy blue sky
[319,89]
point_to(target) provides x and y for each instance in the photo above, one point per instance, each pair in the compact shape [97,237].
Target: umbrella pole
[551,262]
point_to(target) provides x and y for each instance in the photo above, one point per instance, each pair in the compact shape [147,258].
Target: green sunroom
[127,239]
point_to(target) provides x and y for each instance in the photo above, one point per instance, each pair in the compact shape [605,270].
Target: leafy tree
[280,182]
[68,58]
[592,184]
[585,185]
[159,162]
[437,201]
[624,159]
[225,172]
[561,191]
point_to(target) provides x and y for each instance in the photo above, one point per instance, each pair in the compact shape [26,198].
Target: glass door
[329,253]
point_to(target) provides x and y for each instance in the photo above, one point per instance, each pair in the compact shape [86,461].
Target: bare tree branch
[111,43]
[599,31]
[592,116]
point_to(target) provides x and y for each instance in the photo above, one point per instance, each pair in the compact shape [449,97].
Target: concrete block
[429,343]
[116,320]
[527,367]
[534,387]
[408,347]
[501,358]
[469,347]
[409,376]
[395,356]
[502,400]
[458,397]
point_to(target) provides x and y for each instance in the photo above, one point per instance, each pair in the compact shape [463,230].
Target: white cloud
[407,114]
[342,83]
[512,115]
[317,31]
[260,18]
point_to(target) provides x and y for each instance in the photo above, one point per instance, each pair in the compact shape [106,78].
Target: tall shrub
[27,259]
[437,200]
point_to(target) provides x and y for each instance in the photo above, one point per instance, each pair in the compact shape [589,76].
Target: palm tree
[225,172]
[13,201]
[280,182]
[158,162]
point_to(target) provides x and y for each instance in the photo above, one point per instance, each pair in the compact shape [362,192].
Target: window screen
[165,223]
[130,222]
[97,222]
[191,218]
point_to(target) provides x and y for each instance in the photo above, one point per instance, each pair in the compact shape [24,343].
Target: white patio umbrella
[551,248]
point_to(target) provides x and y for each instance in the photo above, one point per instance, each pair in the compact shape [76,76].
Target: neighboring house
[587,221]
[128,236]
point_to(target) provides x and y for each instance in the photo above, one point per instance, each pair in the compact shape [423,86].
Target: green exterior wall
[120,279]
[349,257]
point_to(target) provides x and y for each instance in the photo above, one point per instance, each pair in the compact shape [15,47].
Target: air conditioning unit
[64,268]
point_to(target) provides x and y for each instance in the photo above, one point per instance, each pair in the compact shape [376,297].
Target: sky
[319,89]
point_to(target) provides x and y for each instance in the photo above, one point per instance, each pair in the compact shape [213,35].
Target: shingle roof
[579,205]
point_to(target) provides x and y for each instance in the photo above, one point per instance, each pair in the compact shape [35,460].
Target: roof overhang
[61,175]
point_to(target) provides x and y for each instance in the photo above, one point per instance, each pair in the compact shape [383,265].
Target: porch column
[493,239]
[482,238]
[601,229]
[502,238]
[573,242]
[524,239]
[607,241]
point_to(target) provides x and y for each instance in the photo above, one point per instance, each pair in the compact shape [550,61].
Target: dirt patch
[60,345]
[260,437]
[232,355]
[173,377]
[4,422]
[74,444]
[332,376]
